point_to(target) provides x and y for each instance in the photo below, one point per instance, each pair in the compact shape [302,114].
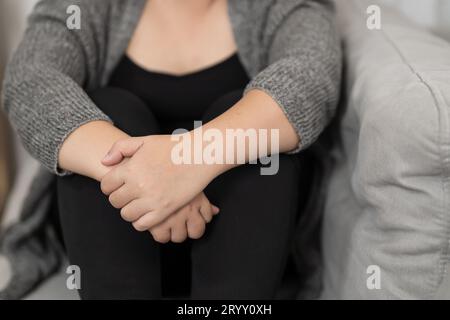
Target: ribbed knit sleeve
[43,88]
[304,68]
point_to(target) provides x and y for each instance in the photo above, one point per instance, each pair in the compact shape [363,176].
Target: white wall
[12,21]
[12,24]
[433,14]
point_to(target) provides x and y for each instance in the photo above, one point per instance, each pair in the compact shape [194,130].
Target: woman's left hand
[149,183]
[188,222]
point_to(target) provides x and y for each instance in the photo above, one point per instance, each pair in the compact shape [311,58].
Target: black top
[180,98]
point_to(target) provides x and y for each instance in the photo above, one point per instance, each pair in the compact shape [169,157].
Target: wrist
[211,163]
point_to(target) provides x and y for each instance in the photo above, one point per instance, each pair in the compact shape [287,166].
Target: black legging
[242,254]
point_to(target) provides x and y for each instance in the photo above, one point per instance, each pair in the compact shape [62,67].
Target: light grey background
[433,14]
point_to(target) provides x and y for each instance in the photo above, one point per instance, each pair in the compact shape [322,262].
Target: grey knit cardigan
[289,48]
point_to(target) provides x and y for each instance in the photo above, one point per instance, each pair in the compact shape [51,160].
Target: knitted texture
[289,48]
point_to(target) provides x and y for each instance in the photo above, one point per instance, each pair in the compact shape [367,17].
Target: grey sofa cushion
[388,203]
[54,288]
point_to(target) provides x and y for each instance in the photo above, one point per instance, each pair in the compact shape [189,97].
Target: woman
[98,104]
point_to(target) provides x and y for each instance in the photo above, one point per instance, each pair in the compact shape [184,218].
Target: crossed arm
[44,98]
[140,178]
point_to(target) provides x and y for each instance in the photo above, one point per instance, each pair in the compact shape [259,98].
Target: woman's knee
[252,180]
[222,104]
[128,112]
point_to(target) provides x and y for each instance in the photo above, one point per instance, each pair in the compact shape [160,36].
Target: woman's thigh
[116,261]
[244,251]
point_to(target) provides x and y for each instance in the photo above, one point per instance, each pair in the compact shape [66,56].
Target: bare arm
[83,150]
[47,78]
[258,111]
[154,180]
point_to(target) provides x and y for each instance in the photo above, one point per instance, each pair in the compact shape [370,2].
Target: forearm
[256,111]
[84,149]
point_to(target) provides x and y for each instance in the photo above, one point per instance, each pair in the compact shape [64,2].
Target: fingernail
[215,209]
[108,156]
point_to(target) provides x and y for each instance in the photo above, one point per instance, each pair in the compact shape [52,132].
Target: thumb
[216,210]
[122,149]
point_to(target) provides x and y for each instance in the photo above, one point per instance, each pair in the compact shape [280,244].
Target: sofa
[384,192]
[387,210]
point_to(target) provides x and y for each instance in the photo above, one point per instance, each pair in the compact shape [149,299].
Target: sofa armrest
[391,186]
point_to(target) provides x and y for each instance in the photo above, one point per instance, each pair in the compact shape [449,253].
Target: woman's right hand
[188,222]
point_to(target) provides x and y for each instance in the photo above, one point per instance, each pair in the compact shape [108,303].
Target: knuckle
[164,202]
[196,231]
[165,205]
[126,214]
[160,237]
[140,185]
[139,226]
[114,202]
[178,240]
[104,186]
[196,235]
